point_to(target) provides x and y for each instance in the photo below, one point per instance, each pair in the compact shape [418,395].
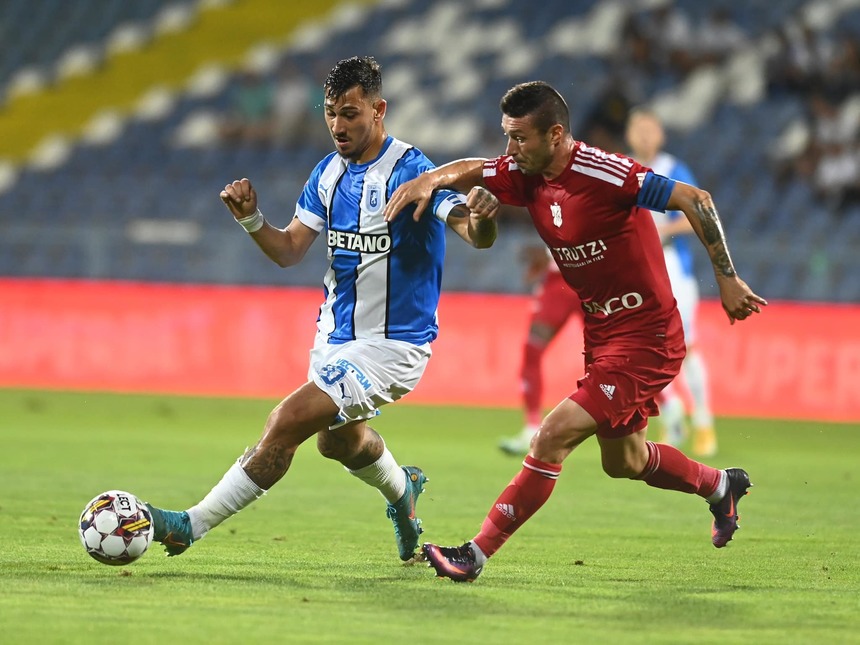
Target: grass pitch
[315,561]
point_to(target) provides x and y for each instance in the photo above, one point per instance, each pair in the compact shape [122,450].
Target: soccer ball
[116,528]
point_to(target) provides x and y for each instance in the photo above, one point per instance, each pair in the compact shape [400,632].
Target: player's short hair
[539,100]
[644,111]
[362,71]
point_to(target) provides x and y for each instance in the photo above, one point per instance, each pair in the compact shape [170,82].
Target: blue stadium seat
[38,34]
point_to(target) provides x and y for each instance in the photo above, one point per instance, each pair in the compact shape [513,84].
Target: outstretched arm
[739,302]
[285,247]
[461,175]
[476,221]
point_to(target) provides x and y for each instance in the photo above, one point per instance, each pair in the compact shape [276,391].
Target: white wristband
[252,223]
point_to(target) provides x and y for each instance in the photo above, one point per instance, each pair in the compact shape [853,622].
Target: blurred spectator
[837,175]
[293,95]
[632,63]
[670,33]
[830,124]
[718,37]
[250,119]
[842,75]
[606,120]
[802,58]
[830,159]
[665,42]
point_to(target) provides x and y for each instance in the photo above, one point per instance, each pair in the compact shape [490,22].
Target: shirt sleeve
[503,178]
[310,209]
[442,202]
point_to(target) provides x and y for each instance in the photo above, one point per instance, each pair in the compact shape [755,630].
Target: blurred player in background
[646,137]
[379,316]
[591,209]
[553,304]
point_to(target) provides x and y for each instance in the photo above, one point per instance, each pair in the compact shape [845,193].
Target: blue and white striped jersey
[670,166]
[384,278]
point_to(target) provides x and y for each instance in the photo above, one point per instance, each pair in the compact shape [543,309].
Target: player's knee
[354,446]
[553,443]
[329,451]
[283,426]
[331,447]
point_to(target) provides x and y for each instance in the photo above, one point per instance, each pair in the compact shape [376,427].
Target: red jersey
[606,246]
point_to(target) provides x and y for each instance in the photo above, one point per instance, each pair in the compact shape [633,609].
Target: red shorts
[555,302]
[619,388]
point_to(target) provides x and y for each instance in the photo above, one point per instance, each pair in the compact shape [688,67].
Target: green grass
[315,561]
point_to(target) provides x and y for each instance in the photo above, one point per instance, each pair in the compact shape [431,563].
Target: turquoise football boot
[172,529]
[407,527]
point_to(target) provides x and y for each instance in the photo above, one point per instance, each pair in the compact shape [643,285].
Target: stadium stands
[137,198]
[36,38]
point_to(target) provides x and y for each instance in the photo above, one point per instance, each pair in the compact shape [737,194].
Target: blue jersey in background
[670,166]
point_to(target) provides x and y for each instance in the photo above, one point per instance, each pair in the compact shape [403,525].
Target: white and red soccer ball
[116,528]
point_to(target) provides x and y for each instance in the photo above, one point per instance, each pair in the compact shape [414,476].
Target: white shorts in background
[686,292]
[362,375]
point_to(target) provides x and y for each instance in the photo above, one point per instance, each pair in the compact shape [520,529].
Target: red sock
[671,469]
[532,382]
[526,493]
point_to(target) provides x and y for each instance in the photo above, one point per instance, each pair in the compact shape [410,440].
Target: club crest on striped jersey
[373,198]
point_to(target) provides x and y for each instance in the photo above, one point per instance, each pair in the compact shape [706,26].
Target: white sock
[721,490]
[385,476]
[234,492]
[696,375]
[480,558]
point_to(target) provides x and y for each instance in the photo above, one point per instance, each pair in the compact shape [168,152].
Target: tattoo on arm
[484,225]
[482,231]
[713,236]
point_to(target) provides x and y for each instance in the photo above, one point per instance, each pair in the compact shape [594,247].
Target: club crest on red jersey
[555,209]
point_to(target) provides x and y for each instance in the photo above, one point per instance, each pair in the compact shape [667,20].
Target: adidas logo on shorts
[608,390]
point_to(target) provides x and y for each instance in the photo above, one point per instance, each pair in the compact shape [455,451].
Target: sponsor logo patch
[331,374]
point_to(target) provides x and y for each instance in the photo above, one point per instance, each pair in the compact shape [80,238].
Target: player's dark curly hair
[539,100]
[348,73]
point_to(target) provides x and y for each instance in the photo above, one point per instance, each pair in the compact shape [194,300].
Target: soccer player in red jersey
[591,208]
[553,304]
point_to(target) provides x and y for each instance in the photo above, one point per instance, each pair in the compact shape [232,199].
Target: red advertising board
[793,361]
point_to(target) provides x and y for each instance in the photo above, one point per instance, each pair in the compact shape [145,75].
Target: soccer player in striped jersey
[645,136]
[378,318]
[591,208]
